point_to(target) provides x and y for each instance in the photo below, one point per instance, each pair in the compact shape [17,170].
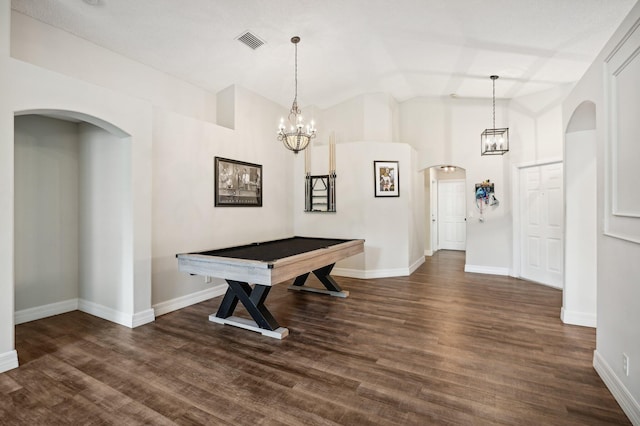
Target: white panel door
[434,216]
[541,209]
[452,225]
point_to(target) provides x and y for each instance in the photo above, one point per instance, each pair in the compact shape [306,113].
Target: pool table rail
[269,272]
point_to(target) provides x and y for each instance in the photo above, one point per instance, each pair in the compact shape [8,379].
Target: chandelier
[298,136]
[494,141]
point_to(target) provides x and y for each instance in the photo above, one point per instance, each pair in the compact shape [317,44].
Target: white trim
[629,405]
[106,313]
[626,228]
[621,236]
[369,274]
[515,220]
[492,270]
[142,318]
[189,299]
[378,273]
[8,361]
[538,163]
[428,252]
[583,319]
[416,265]
[45,311]
[57,308]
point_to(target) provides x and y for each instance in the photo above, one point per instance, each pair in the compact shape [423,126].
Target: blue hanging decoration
[485,196]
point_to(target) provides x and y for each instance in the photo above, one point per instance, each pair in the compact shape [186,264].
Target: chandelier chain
[295,98]
[494,102]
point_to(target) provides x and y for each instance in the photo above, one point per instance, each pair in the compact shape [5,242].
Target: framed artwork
[386,176]
[237,184]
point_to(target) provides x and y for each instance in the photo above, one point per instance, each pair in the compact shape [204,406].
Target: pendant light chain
[295,98]
[295,111]
[494,102]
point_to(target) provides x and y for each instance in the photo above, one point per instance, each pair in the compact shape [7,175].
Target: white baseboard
[45,311]
[122,318]
[428,252]
[142,318]
[583,319]
[188,300]
[492,270]
[375,273]
[629,405]
[39,312]
[416,265]
[8,361]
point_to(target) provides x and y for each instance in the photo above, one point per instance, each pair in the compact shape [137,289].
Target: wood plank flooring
[438,347]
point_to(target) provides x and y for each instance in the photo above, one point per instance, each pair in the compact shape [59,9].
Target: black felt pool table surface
[270,251]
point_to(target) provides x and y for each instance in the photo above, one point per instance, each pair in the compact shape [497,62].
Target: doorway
[445,197]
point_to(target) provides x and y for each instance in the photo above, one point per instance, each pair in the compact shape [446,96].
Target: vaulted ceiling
[406,48]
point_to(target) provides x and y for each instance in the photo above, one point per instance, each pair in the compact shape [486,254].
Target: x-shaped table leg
[253,300]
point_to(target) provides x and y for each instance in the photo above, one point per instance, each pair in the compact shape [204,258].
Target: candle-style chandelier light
[494,141]
[298,136]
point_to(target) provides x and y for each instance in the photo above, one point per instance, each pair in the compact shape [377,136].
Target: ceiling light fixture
[448,169]
[299,135]
[494,141]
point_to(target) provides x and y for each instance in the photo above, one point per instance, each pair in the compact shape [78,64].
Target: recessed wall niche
[72,216]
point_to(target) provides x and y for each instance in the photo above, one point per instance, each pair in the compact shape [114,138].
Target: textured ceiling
[406,48]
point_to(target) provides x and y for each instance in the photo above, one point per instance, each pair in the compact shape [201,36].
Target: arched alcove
[73,216]
[580,276]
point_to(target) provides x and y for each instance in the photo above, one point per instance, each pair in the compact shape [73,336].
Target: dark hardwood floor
[438,347]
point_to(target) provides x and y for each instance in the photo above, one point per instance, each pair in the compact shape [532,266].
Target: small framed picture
[237,184]
[386,175]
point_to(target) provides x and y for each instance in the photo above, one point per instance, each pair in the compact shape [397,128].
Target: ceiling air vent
[250,40]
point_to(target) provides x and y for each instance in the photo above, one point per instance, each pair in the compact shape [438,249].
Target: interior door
[434,215]
[541,209]
[452,224]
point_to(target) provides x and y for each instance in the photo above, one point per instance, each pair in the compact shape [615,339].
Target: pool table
[251,270]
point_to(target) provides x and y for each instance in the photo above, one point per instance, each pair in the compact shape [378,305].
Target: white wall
[580,260]
[29,88]
[46,211]
[8,355]
[425,125]
[367,129]
[184,217]
[372,117]
[416,228]
[105,211]
[535,126]
[40,44]
[618,269]
[394,237]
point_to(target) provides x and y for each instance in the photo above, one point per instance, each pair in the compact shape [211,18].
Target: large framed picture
[237,184]
[386,178]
